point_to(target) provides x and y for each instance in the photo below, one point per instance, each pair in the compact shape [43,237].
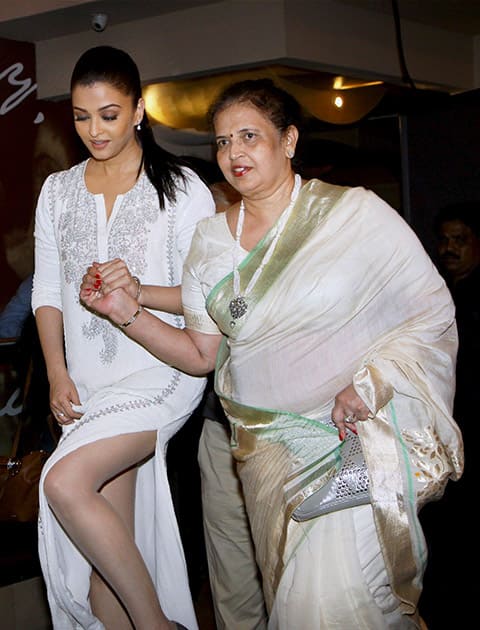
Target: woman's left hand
[111,275]
[117,305]
[348,408]
[91,295]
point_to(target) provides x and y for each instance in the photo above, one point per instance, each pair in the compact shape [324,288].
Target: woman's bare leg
[106,606]
[100,531]
[120,493]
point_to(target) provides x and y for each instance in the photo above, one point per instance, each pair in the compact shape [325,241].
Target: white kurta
[122,387]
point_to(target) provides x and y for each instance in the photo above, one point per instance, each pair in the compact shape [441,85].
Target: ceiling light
[338,101]
[184,104]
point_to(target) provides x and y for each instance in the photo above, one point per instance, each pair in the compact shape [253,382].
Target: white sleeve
[46,280]
[193,204]
[194,292]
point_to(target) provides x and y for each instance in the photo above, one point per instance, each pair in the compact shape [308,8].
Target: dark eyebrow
[100,109]
[239,131]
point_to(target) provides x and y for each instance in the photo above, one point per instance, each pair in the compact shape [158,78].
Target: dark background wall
[17,133]
[37,137]
[442,160]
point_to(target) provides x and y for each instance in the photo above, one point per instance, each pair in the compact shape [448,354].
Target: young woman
[109,543]
[319,308]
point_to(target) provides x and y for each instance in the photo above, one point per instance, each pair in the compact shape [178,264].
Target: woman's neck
[121,165]
[267,207]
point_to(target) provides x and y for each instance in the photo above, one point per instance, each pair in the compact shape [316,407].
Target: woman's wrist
[136,279]
[56,370]
[123,310]
[131,319]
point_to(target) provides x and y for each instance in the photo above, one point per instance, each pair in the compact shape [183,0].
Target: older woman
[319,307]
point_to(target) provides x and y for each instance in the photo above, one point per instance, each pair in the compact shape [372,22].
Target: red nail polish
[341,435]
[97,275]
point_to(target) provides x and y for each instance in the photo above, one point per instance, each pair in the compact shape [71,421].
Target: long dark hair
[106,64]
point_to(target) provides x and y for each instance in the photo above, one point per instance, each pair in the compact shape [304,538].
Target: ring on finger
[349,419]
[60,414]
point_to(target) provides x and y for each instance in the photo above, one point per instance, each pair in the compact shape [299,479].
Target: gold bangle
[132,318]
[139,286]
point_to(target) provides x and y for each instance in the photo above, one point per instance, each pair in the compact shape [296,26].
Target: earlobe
[140,111]
[290,149]
[291,143]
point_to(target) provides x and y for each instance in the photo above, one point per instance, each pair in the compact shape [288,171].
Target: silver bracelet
[139,286]
[132,318]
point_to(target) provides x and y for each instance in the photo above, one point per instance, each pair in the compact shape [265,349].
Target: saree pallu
[349,296]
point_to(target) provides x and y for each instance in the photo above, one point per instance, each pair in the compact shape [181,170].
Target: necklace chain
[238,305]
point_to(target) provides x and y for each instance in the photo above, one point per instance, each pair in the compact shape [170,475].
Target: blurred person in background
[451,575]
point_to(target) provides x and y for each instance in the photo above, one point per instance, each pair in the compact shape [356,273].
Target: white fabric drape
[359,301]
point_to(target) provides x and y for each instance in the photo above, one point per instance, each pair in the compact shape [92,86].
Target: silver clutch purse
[347,488]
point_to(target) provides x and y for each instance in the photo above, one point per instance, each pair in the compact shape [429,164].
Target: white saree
[348,296]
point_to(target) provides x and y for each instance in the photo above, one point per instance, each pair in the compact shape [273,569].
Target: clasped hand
[109,289]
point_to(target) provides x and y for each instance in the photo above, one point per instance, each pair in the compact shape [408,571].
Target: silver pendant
[238,307]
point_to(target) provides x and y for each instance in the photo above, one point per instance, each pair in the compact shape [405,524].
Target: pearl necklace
[238,305]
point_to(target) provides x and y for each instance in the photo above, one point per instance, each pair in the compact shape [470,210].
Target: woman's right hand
[63,394]
[111,275]
[106,278]
[347,409]
[117,305]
